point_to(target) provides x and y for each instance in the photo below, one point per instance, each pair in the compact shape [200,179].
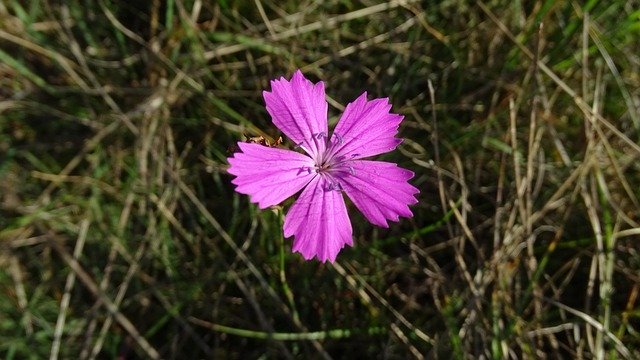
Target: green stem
[283,278]
[314,335]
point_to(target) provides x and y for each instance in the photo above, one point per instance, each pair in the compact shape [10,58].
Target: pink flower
[332,165]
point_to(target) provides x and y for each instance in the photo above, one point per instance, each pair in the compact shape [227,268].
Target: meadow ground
[121,235]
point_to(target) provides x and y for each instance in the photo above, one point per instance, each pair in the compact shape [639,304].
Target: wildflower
[333,164]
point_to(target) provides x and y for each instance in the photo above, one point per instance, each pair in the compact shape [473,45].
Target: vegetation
[122,237]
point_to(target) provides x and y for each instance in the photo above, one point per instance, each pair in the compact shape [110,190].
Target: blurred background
[122,237]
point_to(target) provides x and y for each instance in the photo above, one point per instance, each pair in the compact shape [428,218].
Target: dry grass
[121,235]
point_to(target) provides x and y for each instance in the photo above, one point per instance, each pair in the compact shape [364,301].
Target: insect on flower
[263,141]
[332,164]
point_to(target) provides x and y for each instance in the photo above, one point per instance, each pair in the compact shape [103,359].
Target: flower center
[330,163]
[326,160]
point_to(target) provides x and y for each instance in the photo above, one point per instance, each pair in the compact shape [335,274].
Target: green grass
[121,234]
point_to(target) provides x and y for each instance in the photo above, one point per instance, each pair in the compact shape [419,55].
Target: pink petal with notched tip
[379,190]
[269,175]
[319,222]
[366,128]
[299,109]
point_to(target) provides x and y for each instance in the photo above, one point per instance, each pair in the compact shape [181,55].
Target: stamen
[320,135]
[334,186]
[338,139]
[351,171]
[303,169]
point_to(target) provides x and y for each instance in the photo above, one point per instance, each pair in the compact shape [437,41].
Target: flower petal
[269,175]
[366,128]
[379,190]
[299,109]
[319,222]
